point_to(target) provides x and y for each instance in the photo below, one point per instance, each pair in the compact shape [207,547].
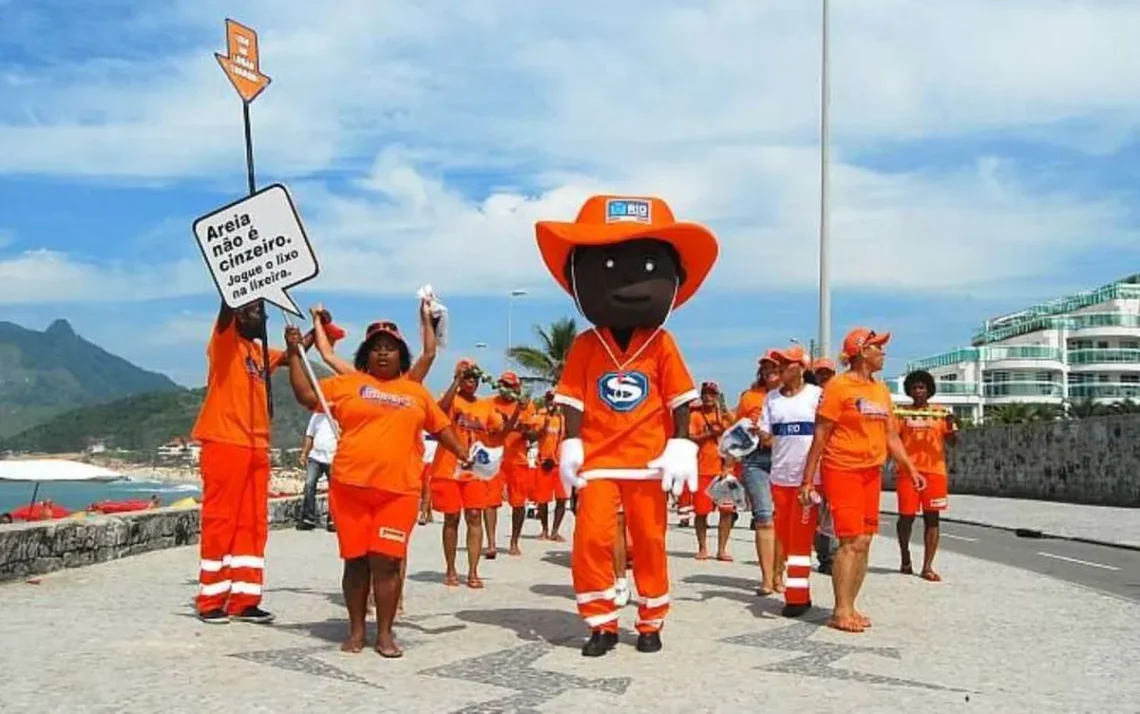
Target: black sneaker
[649,642]
[795,610]
[214,617]
[306,525]
[600,642]
[254,615]
[824,568]
[331,527]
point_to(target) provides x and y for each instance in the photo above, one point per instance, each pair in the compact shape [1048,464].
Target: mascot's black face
[626,285]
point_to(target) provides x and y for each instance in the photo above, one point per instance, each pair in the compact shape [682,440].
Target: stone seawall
[1093,461]
[36,548]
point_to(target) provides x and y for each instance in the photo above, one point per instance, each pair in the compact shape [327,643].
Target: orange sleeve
[571,389]
[277,358]
[677,385]
[831,403]
[435,420]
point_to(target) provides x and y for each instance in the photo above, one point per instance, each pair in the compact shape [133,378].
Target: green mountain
[43,374]
[144,422]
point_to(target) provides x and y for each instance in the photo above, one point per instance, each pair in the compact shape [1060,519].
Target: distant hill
[43,374]
[146,421]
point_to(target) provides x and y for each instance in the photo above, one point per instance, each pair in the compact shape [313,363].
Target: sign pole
[242,65]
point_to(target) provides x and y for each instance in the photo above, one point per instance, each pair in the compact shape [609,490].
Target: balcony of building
[1007,357]
[1104,359]
[1054,314]
[1105,391]
[1104,324]
[1005,392]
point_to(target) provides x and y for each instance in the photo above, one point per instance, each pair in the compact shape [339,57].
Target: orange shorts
[450,496]
[548,486]
[853,499]
[520,484]
[369,520]
[702,502]
[493,498]
[931,499]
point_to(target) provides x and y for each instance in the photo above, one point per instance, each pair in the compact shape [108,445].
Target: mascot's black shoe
[795,610]
[649,642]
[599,643]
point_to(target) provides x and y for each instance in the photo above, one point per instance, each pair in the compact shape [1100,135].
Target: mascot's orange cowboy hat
[606,220]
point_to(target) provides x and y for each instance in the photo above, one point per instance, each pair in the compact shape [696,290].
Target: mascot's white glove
[571,456]
[678,466]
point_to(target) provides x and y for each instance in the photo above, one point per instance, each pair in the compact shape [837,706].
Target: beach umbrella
[39,471]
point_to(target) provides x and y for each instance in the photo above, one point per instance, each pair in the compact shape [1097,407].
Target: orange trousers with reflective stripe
[592,559]
[235,526]
[795,529]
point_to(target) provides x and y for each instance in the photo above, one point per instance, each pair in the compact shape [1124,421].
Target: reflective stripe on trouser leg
[223,468]
[247,568]
[646,509]
[801,526]
[592,557]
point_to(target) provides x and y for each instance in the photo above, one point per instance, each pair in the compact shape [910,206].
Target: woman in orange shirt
[377,472]
[854,433]
[707,421]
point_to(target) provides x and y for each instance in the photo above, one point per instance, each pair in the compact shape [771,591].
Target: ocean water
[78,496]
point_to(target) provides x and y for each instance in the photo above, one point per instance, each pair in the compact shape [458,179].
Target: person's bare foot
[354,643]
[544,536]
[451,580]
[724,557]
[702,555]
[514,550]
[863,619]
[474,582]
[778,585]
[930,576]
[557,538]
[906,569]
[386,647]
[849,623]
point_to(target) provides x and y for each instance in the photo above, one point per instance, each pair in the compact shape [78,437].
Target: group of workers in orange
[624,431]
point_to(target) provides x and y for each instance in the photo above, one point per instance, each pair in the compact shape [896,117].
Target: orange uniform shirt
[235,410]
[627,414]
[550,432]
[514,443]
[701,422]
[475,420]
[924,438]
[863,414]
[751,404]
[382,423]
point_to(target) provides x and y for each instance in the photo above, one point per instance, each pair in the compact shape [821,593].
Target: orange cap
[606,220]
[859,338]
[386,327]
[823,363]
[795,353]
[769,356]
[510,379]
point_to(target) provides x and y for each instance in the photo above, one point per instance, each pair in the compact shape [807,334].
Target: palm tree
[544,362]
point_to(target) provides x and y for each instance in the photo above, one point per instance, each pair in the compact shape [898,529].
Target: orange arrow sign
[241,65]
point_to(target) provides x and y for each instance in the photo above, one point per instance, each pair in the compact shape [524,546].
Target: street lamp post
[516,293]
[824,141]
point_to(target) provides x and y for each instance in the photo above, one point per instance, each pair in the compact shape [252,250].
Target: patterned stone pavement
[120,637]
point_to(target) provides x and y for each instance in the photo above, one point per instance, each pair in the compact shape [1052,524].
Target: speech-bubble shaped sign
[256,249]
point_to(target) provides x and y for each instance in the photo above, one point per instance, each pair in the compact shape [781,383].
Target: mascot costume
[625,393]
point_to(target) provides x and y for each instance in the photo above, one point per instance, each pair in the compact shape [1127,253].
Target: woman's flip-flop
[475,583]
[451,581]
[931,576]
[725,558]
[702,556]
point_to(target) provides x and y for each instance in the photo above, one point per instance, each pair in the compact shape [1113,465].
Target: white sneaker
[621,593]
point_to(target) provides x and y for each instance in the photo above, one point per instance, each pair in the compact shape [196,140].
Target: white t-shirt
[324,438]
[430,446]
[791,422]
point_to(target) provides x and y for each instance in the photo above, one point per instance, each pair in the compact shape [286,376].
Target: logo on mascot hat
[628,210]
[623,392]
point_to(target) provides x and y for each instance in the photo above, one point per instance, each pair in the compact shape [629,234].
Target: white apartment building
[1076,348]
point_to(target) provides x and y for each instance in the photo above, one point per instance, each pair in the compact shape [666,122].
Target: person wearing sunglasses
[855,432]
[377,477]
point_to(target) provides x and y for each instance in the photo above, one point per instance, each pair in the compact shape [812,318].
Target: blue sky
[970,176]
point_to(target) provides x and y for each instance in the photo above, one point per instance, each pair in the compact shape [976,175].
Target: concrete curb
[1021,532]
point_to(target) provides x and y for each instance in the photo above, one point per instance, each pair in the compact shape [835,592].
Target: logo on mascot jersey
[623,392]
[628,210]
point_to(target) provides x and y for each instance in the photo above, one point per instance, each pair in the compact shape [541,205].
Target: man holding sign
[233,427]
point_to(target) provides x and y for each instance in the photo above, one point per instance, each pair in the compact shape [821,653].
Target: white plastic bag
[485,461]
[532,455]
[438,315]
[738,440]
[726,489]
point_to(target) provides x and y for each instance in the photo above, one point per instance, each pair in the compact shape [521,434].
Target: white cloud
[713,107]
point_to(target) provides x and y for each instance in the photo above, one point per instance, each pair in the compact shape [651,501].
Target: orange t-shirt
[550,431]
[627,414]
[701,422]
[382,423]
[475,420]
[751,404]
[235,410]
[923,436]
[513,443]
[863,414]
